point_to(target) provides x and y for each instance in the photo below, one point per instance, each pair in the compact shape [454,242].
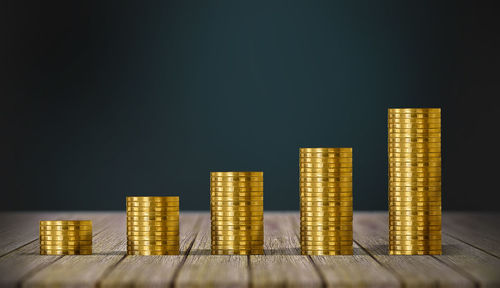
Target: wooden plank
[145,271]
[477,229]
[282,265]
[480,266]
[371,232]
[21,263]
[201,269]
[18,229]
[358,270]
[109,248]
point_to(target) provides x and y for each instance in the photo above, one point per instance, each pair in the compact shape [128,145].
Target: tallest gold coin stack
[326,201]
[414,181]
[237,213]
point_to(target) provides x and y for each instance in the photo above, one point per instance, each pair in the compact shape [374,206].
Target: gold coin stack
[326,201]
[152,225]
[415,181]
[66,237]
[237,213]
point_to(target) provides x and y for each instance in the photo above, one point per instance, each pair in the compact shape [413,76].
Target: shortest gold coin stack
[326,201]
[152,225]
[237,213]
[66,237]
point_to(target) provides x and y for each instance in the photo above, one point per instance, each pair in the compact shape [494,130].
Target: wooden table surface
[471,256]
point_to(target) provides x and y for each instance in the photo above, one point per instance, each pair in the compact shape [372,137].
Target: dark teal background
[107,99]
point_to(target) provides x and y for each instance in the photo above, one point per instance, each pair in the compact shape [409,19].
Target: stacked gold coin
[326,201]
[152,225]
[66,237]
[237,212]
[414,181]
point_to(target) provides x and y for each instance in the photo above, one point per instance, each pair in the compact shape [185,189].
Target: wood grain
[282,265]
[470,247]
[26,260]
[358,270]
[109,247]
[477,229]
[145,271]
[371,232]
[201,269]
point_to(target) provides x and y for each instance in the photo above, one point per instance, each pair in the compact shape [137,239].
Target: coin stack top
[326,201]
[66,237]
[237,213]
[414,181]
[153,225]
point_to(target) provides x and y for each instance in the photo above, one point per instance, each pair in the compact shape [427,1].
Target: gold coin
[237,184]
[153,218]
[338,234]
[430,213]
[65,228]
[335,171]
[414,247]
[414,110]
[414,217]
[414,223]
[393,188]
[238,218]
[414,126]
[66,247]
[326,149]
[416,175]
[236,198]
[414,194]
[339,162]
[343,238]
[237,178]
[237,232]
[415,238]
[153,204]
[152,224]
[397,155]
[325,195]
[152,228]
[245,223]
[326,175]
[169,215]
[326,219]
[326,198]
[326,214]
[66,238]
[416,228]
[414,150]
[326,155]
[326,166]
[253,208]
[237,237]
[415,243]
[237,242]
[399,120]
[325,184]
[66,222]
[414,146]
[415,170]
[330,203]
[153,238]
[66,233]
[415,198]
[326,179]
[227,189]
[242,194]
[152,209]
[433,114]
[237,214]
[326,190]
[227,174]
[65,243]
[162,199]
[170,246]
[326,209]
